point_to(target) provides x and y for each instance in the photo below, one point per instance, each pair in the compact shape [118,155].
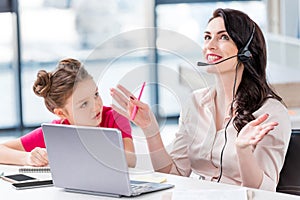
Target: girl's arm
[129,152]
[13,152]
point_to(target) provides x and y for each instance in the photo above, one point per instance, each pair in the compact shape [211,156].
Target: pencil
[135,108]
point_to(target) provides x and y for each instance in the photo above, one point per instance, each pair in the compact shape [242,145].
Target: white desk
[181,183]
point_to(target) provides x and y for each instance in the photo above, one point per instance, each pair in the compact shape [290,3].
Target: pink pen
[135,108]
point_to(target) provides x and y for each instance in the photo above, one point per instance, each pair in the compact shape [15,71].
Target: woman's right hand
[144,117]
[37,157]
[253,132]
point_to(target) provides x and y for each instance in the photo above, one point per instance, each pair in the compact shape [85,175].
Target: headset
[246,54]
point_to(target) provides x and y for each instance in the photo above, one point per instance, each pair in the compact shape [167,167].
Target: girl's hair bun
[42,85]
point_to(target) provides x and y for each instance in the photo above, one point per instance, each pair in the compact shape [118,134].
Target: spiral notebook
[34,169]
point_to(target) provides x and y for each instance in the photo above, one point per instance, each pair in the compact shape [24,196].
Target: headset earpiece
[245,54]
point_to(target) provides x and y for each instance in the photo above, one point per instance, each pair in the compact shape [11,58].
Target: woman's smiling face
[218,46]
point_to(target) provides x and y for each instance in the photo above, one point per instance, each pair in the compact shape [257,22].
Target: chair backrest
[289,181]
[287,92]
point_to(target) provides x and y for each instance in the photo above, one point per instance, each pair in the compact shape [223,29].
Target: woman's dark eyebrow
[219,32]
[223,31]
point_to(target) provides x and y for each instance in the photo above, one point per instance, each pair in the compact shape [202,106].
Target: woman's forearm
[161,160]
[251,173]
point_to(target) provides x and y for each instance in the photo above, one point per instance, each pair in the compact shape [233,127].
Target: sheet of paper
[150,178]
[221,194]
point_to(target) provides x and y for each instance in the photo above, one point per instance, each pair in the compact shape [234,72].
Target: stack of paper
[149,178]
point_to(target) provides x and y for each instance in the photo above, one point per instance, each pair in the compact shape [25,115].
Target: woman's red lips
[211,58]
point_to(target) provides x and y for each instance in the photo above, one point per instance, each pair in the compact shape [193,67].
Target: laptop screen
[87,158]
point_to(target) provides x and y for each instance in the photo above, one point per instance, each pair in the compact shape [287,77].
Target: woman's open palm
[254,131]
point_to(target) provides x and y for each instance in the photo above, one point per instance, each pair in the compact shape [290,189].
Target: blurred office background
[116,42]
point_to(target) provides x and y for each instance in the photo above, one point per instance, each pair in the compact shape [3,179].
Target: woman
[236,132]
[70,93]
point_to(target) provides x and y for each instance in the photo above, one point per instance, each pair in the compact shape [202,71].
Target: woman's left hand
[254,131]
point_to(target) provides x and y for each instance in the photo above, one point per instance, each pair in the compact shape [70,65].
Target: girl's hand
[144,117]
[254,132]
[37,157]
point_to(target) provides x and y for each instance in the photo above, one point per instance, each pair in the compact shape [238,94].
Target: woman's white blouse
[198,145]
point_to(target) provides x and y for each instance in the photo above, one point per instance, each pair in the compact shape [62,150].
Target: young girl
[70,93]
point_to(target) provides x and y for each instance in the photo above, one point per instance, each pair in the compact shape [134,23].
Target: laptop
[91,160]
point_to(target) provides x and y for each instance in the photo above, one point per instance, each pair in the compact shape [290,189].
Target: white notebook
[29,169]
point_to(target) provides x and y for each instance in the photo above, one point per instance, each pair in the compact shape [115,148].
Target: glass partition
[96,33]
[188,22]
[8,108]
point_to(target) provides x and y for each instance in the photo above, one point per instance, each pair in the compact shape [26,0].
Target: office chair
[289,181]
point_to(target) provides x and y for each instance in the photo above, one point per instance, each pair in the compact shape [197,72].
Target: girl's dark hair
[253,90]
[57,86]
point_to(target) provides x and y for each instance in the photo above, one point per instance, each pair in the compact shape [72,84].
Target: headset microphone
[205,64]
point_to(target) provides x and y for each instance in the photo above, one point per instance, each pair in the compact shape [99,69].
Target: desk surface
[181,183]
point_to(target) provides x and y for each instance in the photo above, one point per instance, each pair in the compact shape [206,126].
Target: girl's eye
[207,37]
[83,105]
[97,95]
[225,37]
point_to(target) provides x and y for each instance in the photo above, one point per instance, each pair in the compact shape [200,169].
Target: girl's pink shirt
[110,119]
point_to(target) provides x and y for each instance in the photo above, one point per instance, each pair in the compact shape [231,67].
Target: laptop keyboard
[140,188]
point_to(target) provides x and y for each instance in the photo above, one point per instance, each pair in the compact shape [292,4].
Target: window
[7,75]
[110,38]
[102,34]
[183,25]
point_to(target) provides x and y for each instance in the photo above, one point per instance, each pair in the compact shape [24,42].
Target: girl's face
[84,106]
[218,46]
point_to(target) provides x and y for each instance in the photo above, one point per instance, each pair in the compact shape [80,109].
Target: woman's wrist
[240,145]
[243,147]
[151,130]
